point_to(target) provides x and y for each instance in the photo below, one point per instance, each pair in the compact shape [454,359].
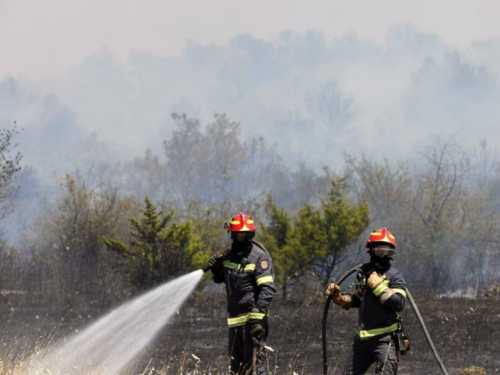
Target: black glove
[214,259]
[214,264]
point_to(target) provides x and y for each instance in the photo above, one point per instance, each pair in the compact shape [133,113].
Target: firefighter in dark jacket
[246,269]
[379,296]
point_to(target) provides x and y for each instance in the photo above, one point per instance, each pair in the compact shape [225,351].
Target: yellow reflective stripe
[235,266]
[378,331]
[249,267]
[231,265]
[258,316]
[265,280]
[242,319]
[238,320]
[400,291]
[380,289]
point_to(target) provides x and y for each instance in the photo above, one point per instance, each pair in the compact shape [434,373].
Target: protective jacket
[376,318]
[248,275]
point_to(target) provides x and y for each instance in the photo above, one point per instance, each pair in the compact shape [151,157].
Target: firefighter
[247,271]
[379,297]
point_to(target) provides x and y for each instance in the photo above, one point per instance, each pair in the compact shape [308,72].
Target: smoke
[400,95]
[311,96]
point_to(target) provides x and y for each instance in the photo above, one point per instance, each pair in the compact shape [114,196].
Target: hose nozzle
[219,256]
[206,268]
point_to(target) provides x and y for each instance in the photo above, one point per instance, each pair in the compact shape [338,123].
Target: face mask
[241,247]
[380,262]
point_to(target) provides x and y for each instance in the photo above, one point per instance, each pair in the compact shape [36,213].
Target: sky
[92,82]
[115,70]
[40,38]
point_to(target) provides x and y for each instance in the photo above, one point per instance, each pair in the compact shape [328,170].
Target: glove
[332,289]
[214,259]
[214,265]
[256,327]
[342,300]
[375,280]
[256,330]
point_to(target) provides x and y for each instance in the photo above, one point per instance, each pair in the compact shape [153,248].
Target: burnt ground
[466,333]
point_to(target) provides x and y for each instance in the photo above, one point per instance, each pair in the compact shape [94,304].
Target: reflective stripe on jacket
[374,318]
[249,285]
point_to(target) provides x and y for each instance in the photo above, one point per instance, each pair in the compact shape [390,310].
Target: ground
[466,333]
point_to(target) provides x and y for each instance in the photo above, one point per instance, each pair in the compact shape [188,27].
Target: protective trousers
[241,351]
[363,353]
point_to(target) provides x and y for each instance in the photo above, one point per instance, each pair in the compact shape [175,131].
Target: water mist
[112,342]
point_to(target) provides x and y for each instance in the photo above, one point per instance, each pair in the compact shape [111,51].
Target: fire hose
[415,310]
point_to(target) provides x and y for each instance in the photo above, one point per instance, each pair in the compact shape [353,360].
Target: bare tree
[10,164]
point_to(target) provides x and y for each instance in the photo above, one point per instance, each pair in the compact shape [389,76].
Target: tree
[73,233]
[316,238]
[10,164]
[385,186]
[436,203]
[213,163]
[278,238]
[159,248]
[204,165]
[340,223]
[439,217]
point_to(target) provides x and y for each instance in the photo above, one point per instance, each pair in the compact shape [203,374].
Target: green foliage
[208,224]
[315,238]
[159,248]
[278,239]
[339,224]
[473,370]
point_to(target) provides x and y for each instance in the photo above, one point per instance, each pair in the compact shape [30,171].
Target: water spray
[111,343]
[415,310]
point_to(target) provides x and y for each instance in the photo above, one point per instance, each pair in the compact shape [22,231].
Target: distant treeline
[122,228]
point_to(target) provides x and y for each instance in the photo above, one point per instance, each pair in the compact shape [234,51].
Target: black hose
[415,310]
[426,332]
[325,315]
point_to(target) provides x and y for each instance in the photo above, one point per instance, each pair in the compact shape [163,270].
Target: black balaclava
[379,263]
[242,248]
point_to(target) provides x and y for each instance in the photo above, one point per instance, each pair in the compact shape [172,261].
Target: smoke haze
[312,95]
[93,84]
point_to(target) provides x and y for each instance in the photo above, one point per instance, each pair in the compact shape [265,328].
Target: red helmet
[381,237]
[241,222]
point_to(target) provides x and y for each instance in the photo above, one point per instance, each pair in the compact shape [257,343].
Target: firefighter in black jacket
[380,295]
[247,270]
